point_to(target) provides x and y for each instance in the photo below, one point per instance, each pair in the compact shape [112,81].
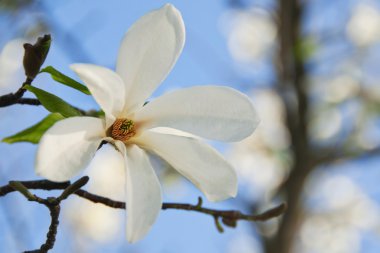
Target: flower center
[123,129]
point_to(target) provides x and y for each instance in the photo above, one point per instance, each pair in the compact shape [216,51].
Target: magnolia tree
[171,126]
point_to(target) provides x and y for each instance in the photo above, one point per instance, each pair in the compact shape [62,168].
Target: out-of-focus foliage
[24,17]
[14,5]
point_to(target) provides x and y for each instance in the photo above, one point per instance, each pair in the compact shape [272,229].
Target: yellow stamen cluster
[123,129]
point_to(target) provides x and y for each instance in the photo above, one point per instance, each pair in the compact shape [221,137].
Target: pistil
[123,129]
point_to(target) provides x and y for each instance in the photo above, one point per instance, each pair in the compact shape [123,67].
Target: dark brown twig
[51,234]
[52,203]
[228,216]
[35,184]
[50,237]
[16,98]
[28,101]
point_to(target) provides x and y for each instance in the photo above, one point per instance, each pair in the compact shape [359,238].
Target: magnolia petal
[197,161]
[106,86]
[173,131]
[148,52]
[68,146]
[213,112]
[106,169]
[144,199]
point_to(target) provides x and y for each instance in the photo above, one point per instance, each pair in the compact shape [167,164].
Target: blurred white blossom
[326,124]
[341,87]
[11,70]
[262,160]
[364,26]
[250,33]
[341,214]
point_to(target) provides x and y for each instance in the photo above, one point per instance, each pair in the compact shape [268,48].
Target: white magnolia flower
[147,54]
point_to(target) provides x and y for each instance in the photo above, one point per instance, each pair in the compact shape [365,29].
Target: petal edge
[67,147]
[106,86]
[148,52]
[143,190]
[195,160]
[213,112]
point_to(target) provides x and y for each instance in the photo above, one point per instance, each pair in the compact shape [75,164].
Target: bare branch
[228,216]
[53,228]
[16,98]
[28,101]
[339,155]
[52,203]
[293,89]
[36,184]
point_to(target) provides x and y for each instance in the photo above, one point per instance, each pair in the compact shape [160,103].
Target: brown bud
[35,55]
[229,222]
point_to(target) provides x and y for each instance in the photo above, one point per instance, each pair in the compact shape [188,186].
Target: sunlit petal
[143,190]
[213,112]
[197,161]
[67,147]
[106,87]
[148,52]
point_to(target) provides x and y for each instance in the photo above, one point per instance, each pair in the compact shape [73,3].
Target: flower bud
[35,55]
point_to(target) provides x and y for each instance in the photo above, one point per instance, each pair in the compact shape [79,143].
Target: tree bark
[292,88]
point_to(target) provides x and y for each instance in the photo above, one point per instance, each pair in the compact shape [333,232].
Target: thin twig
[228,214]
[52,203]
[50,237]
[15,98]
[28,101]
[225,214]
[228,217]
[52,232]
[35,184]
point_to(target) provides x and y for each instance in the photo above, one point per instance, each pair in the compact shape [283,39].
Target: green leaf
[305,48]
[61,78]
[34,133]
[94,113]
[53,103]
